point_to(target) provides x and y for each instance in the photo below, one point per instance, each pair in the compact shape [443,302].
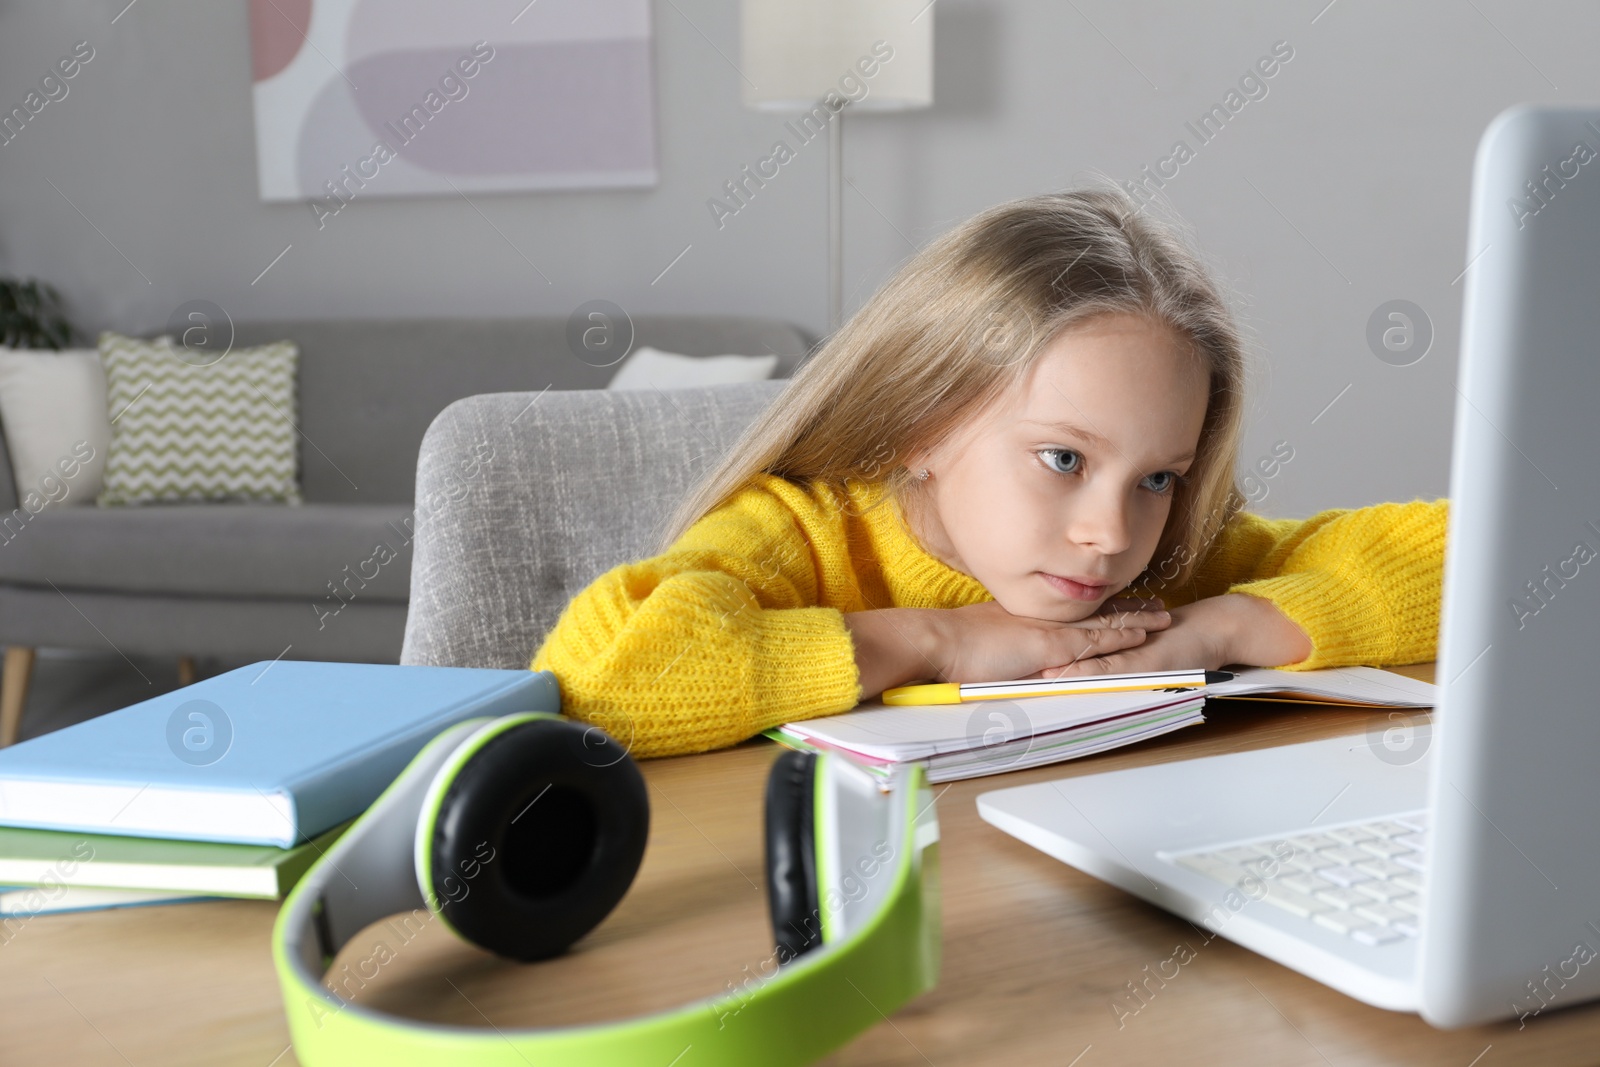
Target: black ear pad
[538,837]
[791,855]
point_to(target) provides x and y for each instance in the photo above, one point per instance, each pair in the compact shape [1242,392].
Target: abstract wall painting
[359,98]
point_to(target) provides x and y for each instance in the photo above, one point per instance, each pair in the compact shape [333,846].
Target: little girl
[1040,411]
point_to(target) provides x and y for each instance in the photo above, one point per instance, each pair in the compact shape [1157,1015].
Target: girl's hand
[985,643]
[1208,634]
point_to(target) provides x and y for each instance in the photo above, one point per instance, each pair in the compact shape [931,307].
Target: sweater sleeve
[715,640]
[1364,583]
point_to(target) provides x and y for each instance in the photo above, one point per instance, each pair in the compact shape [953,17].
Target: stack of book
[964,731]
[230,787]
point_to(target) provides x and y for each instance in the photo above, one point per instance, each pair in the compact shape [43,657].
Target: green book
[108,861]
[24,902]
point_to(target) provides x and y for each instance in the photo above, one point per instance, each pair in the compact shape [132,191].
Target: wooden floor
[69,686]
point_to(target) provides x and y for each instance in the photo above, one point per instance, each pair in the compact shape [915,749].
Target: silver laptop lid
[1513,887]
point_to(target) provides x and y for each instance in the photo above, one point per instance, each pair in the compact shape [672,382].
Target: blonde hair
[960,324]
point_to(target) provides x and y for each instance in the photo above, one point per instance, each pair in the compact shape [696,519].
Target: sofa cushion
[53,407]
[326,553]
[199,429]
[651,368]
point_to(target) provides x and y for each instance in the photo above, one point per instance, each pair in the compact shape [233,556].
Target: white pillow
[53,407]
[648,367]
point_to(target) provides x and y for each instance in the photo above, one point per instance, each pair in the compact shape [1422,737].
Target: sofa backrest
[368,390]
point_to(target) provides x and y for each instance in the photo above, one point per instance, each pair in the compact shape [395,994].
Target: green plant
[32,315]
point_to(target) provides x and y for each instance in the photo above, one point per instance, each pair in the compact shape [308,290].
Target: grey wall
[1344,187]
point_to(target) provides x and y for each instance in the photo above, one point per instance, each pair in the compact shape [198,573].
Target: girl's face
[1071,476]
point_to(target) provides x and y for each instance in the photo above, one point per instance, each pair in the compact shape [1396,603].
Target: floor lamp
[822,58]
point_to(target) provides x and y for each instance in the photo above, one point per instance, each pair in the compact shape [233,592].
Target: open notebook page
[1354,685]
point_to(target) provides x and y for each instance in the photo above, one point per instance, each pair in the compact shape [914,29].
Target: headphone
[521,833]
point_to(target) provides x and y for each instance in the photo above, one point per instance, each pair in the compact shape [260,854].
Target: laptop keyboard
[1362,879]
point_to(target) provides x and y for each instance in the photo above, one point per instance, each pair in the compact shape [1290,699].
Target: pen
[956,693]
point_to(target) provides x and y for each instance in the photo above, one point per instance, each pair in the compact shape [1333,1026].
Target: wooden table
[1035,953]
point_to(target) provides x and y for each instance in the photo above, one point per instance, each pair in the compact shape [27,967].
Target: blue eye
[1056,451]
[1173,478]
[1172,482]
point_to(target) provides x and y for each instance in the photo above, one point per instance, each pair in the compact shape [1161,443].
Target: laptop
[1447,865]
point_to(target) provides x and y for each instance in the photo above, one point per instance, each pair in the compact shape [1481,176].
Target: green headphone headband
[878,908]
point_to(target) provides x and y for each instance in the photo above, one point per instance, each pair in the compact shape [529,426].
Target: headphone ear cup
[537,838]
[791,855]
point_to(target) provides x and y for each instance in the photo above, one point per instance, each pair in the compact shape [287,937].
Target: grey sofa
[579,482]
[249,581]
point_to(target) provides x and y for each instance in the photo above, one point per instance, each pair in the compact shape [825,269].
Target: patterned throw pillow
[184,428]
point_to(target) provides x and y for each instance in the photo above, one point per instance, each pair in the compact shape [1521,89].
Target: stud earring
[923,474]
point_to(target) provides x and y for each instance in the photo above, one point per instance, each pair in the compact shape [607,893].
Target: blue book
[271,753]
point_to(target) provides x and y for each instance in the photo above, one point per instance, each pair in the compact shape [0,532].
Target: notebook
[978,737]
[53,859]
[268,753]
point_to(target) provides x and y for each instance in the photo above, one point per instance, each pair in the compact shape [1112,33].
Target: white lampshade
[795,51]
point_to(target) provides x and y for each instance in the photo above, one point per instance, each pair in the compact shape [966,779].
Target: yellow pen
[956,693]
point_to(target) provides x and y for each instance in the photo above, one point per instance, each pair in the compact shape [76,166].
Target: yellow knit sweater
[739,626]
